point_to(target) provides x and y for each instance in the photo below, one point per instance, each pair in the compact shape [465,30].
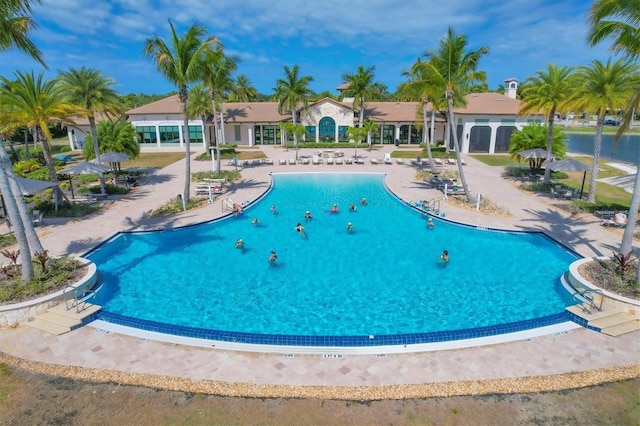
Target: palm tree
[36,103]
[620,20]
[114,136]
[181,62]
[600,87]
[370,127]
[534,135]
[94,94]
[548,91]
[15,24]
[362,88]
[199,105]
[243,90]
[420,87]
[291,91]
[357,134]
[216,76]
[453,70]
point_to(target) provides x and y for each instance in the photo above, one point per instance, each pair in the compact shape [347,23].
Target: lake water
[627,149]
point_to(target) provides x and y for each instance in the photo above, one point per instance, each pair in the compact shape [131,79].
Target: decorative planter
[18,313]
[610,300]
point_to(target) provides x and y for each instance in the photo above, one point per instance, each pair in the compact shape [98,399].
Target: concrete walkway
[577,350]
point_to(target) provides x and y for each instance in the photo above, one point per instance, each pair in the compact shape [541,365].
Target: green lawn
[605,194]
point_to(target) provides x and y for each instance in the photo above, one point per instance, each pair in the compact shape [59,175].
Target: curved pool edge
[242,341]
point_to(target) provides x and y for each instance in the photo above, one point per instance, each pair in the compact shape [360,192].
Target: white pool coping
[557,329]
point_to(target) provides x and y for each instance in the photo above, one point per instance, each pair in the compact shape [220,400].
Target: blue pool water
[382,279]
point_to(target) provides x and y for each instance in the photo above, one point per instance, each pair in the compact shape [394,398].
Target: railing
[77,297]
[587,300]
[227,204]
[431,206]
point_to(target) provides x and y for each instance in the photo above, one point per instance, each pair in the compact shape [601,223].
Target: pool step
[58,320]
[612,323]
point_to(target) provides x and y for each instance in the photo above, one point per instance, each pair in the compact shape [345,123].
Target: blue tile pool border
[339,341]
[336,341]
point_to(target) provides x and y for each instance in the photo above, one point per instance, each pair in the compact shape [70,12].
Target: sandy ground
[30,398]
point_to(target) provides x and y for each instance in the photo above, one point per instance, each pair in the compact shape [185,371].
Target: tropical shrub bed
[611,276]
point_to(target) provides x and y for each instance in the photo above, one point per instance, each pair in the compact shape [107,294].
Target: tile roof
[489,104]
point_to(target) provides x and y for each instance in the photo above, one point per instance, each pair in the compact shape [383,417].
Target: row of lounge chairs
[437,161]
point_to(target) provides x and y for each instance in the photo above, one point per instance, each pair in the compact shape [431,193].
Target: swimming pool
[330,286]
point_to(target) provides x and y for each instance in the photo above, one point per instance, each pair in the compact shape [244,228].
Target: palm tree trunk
[627,238]
[205,137]
[361,114]
[96,150]
[295,134]
[425,135]
[182,93]
[547,170]
[212,95]
[433,125]
[597,146]
[15,217]
[48,159]
[456,147]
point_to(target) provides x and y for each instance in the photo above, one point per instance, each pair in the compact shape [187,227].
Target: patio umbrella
[570,165]
[33,186]
[83,168]
[536,153]
[113,157]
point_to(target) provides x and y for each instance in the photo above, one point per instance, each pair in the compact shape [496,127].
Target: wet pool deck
[561,352]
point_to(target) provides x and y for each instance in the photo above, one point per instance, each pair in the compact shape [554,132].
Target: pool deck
[99,355]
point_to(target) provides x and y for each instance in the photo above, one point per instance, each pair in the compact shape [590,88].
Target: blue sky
[326,38]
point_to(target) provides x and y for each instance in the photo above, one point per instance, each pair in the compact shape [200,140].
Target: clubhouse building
[483,126]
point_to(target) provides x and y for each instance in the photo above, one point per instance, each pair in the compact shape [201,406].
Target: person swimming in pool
[352,207]
[308,216]
[430,224]
[273,209]
[363,201]
[254,221]
[273,257]
[349,227]
[239,244]
[334,209]
[300,228]
[444,257]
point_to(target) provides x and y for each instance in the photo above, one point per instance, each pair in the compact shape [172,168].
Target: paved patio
[559,352]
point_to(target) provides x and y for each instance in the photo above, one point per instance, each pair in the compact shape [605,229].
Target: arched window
[327,128]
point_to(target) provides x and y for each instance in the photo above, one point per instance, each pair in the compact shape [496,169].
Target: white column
[250,134]
[157,135]
[70,135]
[397,132]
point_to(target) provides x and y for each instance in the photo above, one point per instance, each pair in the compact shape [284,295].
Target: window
[236,133]
[311,131]
[327,129]
[195,134]
[146,134]
[169,134]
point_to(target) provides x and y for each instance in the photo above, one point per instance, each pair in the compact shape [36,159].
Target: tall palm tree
[370,127]
[291,91]
[547,91]
[94,94]
[216,76]
[181,61]
[114,136]
[362,88]
[243,90]
[15,25]
[601,87]
[454,70]
[420,87]
[199,105]
[619,20]
[36,103]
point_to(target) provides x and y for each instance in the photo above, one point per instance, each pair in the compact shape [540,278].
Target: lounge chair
[267,161]
[399,161]
[283,162]
[338,160]
[330,160]
[437,162]
[373,161]
[315,160]
[464,163]
[619,220]
[451,161]
[292,161]
[347,160]
[305,161]
[387,158]
[37,217]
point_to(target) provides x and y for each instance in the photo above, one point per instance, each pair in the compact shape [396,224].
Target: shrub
[230,175]
[66,209]
[65,148]
[174,206]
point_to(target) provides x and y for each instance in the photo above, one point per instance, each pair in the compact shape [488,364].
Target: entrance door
[327,129]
